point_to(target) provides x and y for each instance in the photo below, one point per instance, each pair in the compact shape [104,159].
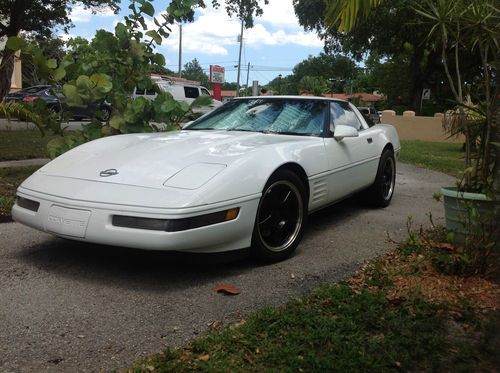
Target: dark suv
[55,100]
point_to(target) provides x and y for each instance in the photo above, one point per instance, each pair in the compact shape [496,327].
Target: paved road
[74,307]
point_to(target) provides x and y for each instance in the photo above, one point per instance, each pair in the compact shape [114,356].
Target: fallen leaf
[226,289]
[185,357]
[444,246]
[204,357]
[150,368]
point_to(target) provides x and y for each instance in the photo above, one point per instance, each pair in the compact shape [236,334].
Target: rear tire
[382,190]
[281,217]
[105,114]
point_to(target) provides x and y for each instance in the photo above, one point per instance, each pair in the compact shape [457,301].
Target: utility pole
[180,50]
[248,72]
[239,59]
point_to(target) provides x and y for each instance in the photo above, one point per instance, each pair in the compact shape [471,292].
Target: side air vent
[319,191]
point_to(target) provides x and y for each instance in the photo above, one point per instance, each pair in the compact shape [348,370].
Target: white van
[181,90]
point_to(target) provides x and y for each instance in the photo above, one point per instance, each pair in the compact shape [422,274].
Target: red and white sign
[217,74]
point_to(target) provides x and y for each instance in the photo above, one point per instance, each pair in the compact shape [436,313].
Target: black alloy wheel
[281,217]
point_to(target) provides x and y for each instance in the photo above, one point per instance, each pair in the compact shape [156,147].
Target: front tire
[382,190]
[281,217]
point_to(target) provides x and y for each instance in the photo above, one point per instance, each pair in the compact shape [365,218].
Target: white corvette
[244,175]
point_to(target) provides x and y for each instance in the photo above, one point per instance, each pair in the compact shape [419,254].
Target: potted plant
[472,207]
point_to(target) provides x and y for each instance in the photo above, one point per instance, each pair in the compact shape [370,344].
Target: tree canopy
[39,18]
[193,71]
[393,28]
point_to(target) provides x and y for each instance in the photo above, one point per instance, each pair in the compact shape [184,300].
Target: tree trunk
[416,79]
[495,138]
[14,27]
[6,69]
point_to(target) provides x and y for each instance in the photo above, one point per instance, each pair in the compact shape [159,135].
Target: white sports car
[245,175]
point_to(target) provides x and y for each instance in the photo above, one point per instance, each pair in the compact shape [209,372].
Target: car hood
[185,159]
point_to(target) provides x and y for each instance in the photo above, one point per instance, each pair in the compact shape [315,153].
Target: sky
[273,46]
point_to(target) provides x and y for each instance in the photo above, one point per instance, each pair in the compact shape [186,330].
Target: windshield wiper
[244,130]
[200,129]
[287,133]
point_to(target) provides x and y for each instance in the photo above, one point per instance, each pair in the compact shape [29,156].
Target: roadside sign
[217,74]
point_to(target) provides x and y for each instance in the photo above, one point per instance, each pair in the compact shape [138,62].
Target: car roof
[288,97]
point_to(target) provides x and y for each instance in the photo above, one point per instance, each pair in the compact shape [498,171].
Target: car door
[352,161]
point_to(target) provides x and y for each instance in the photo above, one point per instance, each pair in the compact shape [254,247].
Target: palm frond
[10,110]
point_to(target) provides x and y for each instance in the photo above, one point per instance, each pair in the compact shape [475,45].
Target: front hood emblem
[108,172]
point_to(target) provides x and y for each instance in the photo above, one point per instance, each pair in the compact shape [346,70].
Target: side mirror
[342,131]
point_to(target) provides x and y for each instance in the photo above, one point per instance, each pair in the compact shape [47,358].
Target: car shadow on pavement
[125,266]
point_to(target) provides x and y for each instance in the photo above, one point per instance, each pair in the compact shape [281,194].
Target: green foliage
[314,85]
[15,43]
[473,27]
[326,66]
[345,13]
[477,255]
[193,71]
[393,30]
[109,67]
[244,9]
[13,109]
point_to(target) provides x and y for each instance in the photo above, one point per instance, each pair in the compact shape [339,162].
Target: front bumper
[93,222]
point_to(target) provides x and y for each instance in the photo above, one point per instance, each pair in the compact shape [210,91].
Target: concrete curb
[25,162]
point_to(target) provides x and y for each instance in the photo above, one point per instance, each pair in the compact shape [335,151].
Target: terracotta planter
[458,206]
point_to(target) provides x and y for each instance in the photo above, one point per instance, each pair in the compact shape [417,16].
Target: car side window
[342,114]
[139,92]
[191,92]
[150,92]
[204,92]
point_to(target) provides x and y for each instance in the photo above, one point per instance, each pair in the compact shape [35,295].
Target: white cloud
[80,14]
[280,13]
[213,31]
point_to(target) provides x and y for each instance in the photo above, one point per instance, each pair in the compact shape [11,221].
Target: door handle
[369,140]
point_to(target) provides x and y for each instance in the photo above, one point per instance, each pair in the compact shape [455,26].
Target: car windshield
[281,116]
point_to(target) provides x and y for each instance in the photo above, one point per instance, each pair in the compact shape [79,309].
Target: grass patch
[443,157]
[397,314]
[10,178]
[24,144]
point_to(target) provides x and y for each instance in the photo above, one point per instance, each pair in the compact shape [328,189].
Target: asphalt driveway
[69,306]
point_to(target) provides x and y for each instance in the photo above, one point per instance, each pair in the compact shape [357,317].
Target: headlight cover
[194,176]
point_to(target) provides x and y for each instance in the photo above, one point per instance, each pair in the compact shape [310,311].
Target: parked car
[55,100]
[245,175]
[371,115]
[44,92]
[180,91]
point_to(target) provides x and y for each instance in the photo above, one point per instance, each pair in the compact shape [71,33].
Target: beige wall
[17,77]
[419,128]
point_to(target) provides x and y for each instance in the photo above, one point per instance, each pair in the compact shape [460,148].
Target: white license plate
[68,222]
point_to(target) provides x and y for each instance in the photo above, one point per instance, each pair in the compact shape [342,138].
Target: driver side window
[342,114]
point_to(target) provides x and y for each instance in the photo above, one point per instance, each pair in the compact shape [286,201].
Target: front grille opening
[174,225]
[27,204]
